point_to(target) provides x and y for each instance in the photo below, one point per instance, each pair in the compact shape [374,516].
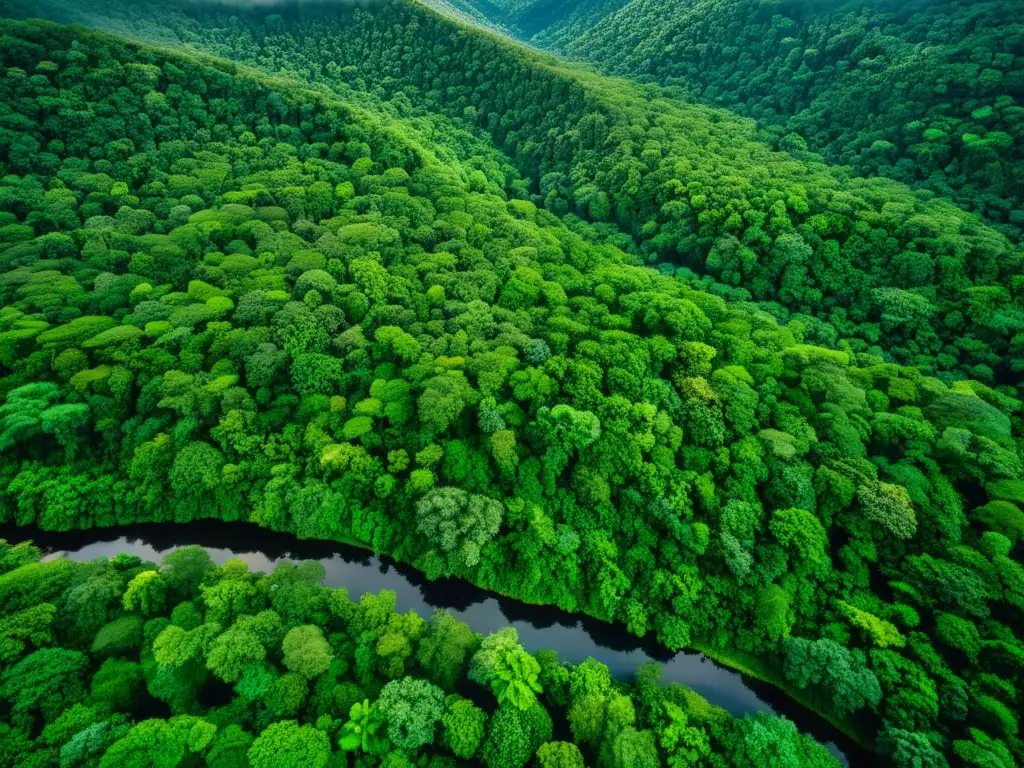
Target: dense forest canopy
[232,668]
[929,92]
[690,186]
[373,275]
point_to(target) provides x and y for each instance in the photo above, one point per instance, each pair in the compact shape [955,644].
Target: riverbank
[724,679]
[752,667]
[738,661]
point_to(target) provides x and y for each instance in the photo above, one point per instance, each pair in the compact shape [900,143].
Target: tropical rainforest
[373,274]
[928,92]
[122,663]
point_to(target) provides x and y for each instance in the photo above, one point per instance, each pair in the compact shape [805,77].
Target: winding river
[539,627]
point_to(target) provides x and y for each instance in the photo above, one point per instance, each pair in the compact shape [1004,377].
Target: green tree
[559,754]
[45,682]
[506,667]
[458,524]
[444,651]
[767,740]
[185,569]
[464,726]
[412,709]
[160,743]
[514,735]
[146,593]
[364,730]
[287,744]
[842,673]
[306,651]
[232,652]
[117,683]
[230,748]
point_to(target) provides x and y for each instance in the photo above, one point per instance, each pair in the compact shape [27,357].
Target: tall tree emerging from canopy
[458,524]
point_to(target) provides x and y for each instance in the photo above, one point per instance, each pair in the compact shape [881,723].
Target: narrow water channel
[539,627]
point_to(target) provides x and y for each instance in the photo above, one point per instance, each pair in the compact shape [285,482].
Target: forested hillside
[628,360]
[693,187]
[543,22]
[929,92]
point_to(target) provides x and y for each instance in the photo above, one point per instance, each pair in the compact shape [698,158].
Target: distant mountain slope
[929,93]
[549,20]
[481,13]
[549,23]
[564,22]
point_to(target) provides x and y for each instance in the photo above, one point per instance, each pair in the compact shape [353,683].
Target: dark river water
[539,627]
